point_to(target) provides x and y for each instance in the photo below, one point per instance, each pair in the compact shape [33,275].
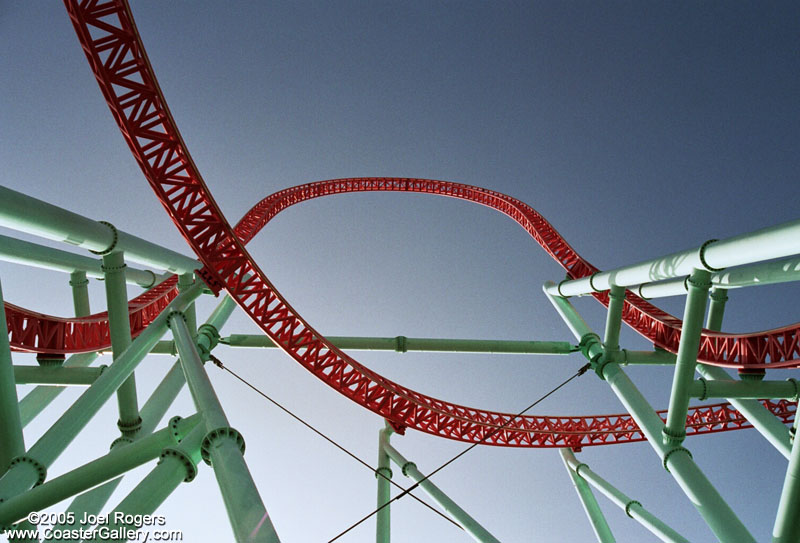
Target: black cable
[580,372]
[404,490]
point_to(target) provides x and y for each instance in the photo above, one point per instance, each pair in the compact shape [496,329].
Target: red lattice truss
[109,38]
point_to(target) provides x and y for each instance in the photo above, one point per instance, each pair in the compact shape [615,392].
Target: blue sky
[637,129]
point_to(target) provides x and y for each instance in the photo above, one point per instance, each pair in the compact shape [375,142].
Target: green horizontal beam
[775,242]
[31,254]
[763,273]
[749,390]
[26,214]
[404,344]
[59,376]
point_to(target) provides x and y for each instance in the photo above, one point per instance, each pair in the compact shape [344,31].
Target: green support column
[631,507]
[676,460]
[177,464]
[120,330]
[716,309]
[223,447]
[95,472]
[32,468]
[383,522]
[469,524]
[12,443]
[80,293]
[787,527]
[675,429]
[596,518]
[185,281]
[616,301]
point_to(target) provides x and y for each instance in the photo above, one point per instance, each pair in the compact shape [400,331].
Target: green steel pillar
[177,464]
[675,429]
[383,528]
[32,468]
[39,398]
[95,472]
[223,446]
[589,502]
[787,527]
[616,301]
[185,281]
[80,293]
[716,309]
[12,443]
[678,461]
[631,507]
[120,330]
[470,525]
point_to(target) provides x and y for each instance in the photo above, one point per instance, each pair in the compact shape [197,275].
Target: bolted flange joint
[121,440]
[188,463]
[407,466]
[207,333]
[629,505]
[671,451]
[670,438]
[385,473]
[41,469]
[174,314]
[216,434]
[173,426]
[129,427]
[114,240]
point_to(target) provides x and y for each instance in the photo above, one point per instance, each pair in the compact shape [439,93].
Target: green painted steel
[763,273]
[120,330]
[749,390]
[596,518]
[658,357]
[24,475]
[716,308]
[223,445]
[686,361]
[59,376]
[787,528]
[40,397]
[12,443]
[616,300]
[678,461]
[404,344]
[208,332]
[80,293]
[409,469]
[631,507]
[177,464]
[185,281]
[95,472]
[40,256]
[590,344]
[774,242]
[26,214]
[762,420]
[383,518]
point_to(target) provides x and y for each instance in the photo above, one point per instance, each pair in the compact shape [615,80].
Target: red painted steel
[34,332]
[109,38]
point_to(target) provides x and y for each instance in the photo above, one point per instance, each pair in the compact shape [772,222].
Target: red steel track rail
[109,38]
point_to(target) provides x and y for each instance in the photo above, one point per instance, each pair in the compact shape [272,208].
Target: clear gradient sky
[637,129]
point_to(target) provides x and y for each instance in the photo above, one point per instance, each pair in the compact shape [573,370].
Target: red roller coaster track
[109,38]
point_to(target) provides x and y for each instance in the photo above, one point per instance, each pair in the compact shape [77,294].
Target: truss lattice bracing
[108,35]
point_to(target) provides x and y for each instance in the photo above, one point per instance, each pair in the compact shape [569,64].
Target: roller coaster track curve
[110,40]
